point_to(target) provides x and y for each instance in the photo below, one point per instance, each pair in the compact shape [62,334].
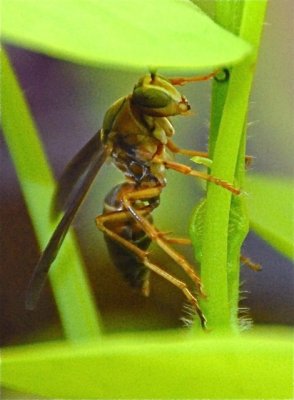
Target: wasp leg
[125,215]
[175,240]
[185,241]
[250,264]
[142,255]
[184,169]
[154,234]
[187,152]
[116,216]
[194,153]
[180,81]
[179,284]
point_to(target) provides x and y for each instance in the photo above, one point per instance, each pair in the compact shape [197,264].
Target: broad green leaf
[155,366]
[168,34]
[70,285]
[271,210]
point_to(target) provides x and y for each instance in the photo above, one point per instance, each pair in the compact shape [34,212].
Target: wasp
[136,135]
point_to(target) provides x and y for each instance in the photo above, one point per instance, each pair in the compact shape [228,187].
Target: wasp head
[157,96]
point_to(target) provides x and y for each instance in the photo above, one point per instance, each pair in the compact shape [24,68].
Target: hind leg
[128,199]
[143,256]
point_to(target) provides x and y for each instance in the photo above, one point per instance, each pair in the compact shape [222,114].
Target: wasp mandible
[137,135]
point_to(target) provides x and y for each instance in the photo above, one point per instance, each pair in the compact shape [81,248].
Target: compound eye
[150,97]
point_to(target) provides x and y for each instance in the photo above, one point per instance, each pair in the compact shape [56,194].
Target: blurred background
[68,103]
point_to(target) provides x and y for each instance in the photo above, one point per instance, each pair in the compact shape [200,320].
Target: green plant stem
[227,147]
[70,286]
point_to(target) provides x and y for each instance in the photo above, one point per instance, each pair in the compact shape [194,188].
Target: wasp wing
[72,204]
[76,168]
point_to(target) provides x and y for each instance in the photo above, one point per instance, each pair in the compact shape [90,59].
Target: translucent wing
[75,169]
[70,196]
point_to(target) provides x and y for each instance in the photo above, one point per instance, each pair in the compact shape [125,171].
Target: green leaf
[155,366]
[70,285]
[128,33]
[271,210]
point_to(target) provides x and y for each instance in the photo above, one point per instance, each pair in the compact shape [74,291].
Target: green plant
[222,237]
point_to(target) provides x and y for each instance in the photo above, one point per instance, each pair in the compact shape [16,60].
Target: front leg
[194,153]
[187,152]
[184,169]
